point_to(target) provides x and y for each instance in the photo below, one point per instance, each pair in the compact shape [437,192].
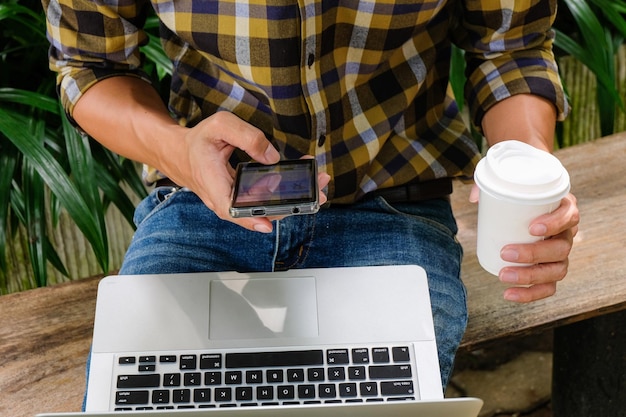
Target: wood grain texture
[45,336]
[45,333]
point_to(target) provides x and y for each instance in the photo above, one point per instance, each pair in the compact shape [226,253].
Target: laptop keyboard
[260,378]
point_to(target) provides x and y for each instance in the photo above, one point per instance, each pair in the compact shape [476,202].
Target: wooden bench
[45,333]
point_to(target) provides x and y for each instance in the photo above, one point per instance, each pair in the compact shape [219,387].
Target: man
[360,86]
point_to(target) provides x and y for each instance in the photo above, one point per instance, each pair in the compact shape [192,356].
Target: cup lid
[518,172]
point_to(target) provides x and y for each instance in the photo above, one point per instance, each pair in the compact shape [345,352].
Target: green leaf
[457,75]
[29,98]
[154,52]
[58,182]
[597,52]
[35,221]
[9,158]
[83,172]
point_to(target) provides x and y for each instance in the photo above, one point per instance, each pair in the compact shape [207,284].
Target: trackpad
[263,308]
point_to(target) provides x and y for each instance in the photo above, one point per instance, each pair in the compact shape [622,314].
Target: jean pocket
[436,213]
[154,202]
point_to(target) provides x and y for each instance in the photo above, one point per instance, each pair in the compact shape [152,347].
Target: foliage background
[67,202]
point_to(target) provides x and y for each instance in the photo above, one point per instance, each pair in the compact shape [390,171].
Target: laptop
[305,343]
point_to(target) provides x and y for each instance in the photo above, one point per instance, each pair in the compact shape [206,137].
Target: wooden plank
[596,282]
[45,335]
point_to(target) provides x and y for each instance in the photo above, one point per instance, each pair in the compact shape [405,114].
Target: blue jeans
[178,233]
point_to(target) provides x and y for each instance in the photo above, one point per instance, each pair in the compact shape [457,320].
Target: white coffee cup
[517,183]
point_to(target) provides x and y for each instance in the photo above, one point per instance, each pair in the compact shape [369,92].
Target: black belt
[419,191]
[166,182]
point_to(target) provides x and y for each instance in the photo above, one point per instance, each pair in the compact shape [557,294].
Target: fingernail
[511,296]
[262,228]
[538,230]
[271,154]
[509,276]
[510,255]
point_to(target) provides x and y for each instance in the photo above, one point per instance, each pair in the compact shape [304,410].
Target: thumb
[474,193]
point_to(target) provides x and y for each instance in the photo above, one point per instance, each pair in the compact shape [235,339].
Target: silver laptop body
[344,341]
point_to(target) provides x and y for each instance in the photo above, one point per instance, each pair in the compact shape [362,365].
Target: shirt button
[310,60]
[321,140]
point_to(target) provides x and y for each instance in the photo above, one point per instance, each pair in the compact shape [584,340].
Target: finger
[535,274]
[322,180]
[474,193]
[530,294]
[554,249]
[236,132]
[566,216]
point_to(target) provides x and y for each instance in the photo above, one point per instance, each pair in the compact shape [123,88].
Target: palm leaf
[29,98]
[8,163]
[596,51]
[82,169]
[58,182]
[35,220]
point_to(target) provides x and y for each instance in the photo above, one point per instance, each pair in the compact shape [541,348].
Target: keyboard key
[336,373]
[211,361]
[356,372]
[306,391]
[315,374]
[188,361]
[147,368]
[327,391]
[254,377]
[202,395]
[243,393]
[390,371]
[160,397]
[233,378]
[360,355]
[127,360]
[389,388]
[131,397]
[286,392]
[268,359]
[265,393]
[167,358]
[171,380]
[337,357]
[192,379]
[274,375]
[223,394]
[212,378]
[400,354]
[295,375]
[368,389]
[181,396]
[380,355]
[138,381]
[147,359]
[347,390]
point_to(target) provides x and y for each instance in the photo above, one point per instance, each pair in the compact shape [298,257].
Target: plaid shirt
[362,85]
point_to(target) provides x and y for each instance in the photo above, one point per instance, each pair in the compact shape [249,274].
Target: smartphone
[286,188]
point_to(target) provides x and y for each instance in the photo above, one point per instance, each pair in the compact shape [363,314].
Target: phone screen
[289,184]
